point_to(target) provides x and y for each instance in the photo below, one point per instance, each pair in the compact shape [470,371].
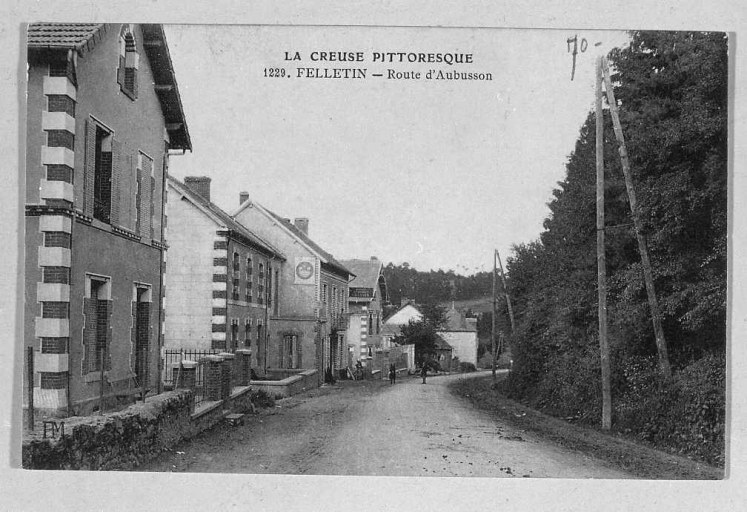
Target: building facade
[461,334]
[366,298]
[309,326]
[221,278]
[103,112]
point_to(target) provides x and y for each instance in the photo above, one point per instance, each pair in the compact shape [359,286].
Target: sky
[436,173]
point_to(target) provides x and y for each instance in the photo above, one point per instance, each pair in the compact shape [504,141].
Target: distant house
[367,296]
[221,278]
[461,334]
[310,326]
[444,353]
[393,324]
[103,112]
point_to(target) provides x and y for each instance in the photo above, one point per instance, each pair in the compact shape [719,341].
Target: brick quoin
[220,262]
[220,311]
[54,345]
[219,327]
[220,294]
[220,278]
[59,172]
[222,245]
[61,103]
[60,139]
[58,203]
[56,239]
[53,309]
[218,344]
[60,275]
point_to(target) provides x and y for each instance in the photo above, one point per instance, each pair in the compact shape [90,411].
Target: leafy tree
[422,334]
[672,93]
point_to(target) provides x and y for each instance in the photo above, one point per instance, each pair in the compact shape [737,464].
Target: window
[235,289]
[370,323]
[236,263]
[141,331]
[248,335]
[102,175]
[234,333]
[97,307]
[249,292]
[261,271]
[129,61]
[248,268]
[324,294]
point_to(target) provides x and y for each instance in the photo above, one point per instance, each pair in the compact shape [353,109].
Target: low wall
[118,440]
[125,439]
[303,381]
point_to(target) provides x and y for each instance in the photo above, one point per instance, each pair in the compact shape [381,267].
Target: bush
[261,398]
[686,414]
[467,367]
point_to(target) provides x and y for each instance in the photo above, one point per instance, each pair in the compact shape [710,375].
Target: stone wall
[289,386]
[118,440]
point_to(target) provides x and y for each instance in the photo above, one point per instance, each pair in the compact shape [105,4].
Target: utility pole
[492,332]
[648,276]
[505,293]
[601,263]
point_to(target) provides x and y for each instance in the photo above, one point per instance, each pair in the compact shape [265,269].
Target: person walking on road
[392,374]
[424,372]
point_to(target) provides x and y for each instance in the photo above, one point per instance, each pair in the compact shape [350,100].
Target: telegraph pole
[601,263]
[648,276]
[492,332]
[505,293]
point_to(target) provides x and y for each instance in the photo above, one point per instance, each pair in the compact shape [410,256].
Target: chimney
[302,224]
[200,185]
[374,258]
[243,197]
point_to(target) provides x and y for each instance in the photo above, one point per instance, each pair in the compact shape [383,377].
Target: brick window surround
[59,275]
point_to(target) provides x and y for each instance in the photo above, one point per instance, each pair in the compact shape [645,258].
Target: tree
[422,334]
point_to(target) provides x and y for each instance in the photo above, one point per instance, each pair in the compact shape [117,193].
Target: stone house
[221,278]
[308,330]
[366,298]
[103,113]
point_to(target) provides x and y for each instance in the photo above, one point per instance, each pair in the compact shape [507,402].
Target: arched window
[129,61]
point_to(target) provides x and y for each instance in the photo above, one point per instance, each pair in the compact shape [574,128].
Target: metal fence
[173,367]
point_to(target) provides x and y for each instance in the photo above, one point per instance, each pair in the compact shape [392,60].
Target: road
[372,428]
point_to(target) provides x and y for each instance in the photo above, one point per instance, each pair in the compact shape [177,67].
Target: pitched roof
[456,321]
[62,35]
[442,344]
[331,261]
[226,219]
[83,36]
[366,272]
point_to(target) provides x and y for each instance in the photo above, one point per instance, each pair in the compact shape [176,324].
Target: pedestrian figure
[392,374]
[424,372]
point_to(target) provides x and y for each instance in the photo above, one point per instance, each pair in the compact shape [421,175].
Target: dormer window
[128,63]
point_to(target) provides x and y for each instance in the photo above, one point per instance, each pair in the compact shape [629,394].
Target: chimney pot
[243,197]
[302,224]
[199,185]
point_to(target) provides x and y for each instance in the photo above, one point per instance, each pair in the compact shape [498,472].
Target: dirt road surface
[372,428]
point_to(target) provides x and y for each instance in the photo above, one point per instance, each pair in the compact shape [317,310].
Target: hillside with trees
[434,286]
[672,94]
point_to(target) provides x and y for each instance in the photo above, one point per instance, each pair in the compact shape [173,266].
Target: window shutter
[300,352]
[89,168]
[116,182]
[145,202]
[134,82]
[121,70]
[281,351]
[89,335]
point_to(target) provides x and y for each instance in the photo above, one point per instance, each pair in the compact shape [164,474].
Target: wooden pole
[648,275]
[505,293]
[30,385]
[601,263]
[492,331]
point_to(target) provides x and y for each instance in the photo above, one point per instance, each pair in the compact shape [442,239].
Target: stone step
[235,419]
